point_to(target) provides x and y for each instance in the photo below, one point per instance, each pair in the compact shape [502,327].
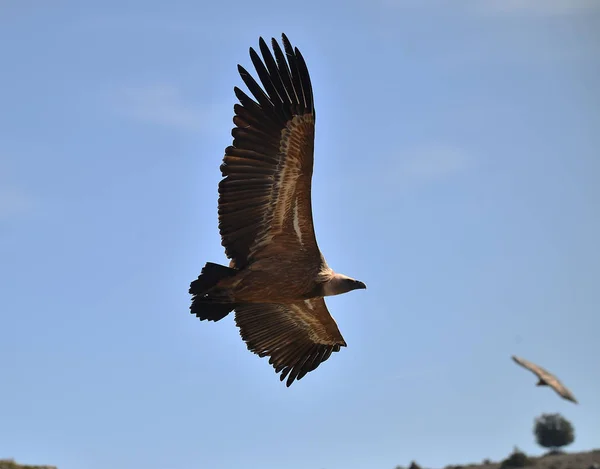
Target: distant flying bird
[277,276]
[546,378]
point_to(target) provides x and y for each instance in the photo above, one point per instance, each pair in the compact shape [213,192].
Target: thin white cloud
[161,105]
[536,7]
[424,166]
[13,202]
[522,7]
[526,42]
[137,21]
[431,163]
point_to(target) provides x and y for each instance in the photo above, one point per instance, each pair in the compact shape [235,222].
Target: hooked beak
[360,285]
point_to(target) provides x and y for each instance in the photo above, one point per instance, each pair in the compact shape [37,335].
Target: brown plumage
[277,276]
[546,379]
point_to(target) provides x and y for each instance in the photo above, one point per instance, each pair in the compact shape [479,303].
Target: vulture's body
[277,277]
[545,378]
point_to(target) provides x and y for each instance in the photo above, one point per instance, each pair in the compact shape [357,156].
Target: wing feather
[297,337]
[264,196]
[285,74]
[276,79]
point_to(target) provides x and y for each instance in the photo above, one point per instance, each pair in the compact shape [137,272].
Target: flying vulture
[546,378]
[277,277]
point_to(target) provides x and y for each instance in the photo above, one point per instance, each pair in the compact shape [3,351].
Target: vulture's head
[340,283]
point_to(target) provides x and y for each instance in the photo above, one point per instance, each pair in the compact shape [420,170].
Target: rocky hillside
[584,460]
[11,464]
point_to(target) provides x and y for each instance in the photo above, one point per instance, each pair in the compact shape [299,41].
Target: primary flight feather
[277,277]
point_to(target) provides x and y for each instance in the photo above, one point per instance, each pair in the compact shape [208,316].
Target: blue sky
[456,173]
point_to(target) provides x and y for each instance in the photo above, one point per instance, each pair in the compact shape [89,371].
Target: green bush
[553,431]
[11,464]
[517,459]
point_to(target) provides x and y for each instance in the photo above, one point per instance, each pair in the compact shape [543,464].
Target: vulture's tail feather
[212,307]
[210,311]
[210,275]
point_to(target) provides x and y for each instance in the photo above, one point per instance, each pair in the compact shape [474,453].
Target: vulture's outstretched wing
[297,337]
[546,377]
[265,196]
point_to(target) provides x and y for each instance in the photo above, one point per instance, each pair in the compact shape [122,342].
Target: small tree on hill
[516,459]
[553,431]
